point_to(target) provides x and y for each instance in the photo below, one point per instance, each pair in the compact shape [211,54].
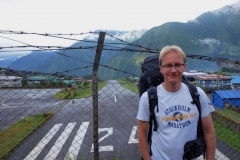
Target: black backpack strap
[195,96]
[153,101]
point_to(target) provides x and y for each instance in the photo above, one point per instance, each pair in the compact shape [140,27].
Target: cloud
[233,9]
[128,36]
[131,35]
[210,42]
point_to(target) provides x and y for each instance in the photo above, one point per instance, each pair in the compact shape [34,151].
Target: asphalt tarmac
[69,132]
[17,104]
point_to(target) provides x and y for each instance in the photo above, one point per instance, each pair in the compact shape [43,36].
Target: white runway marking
[104,148]
[52,154]
[218,156]
[114,95]
[77,142]
[221,156]
[132,136]
[40,146]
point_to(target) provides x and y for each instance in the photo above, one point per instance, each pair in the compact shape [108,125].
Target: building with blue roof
[225,98]
[213,81]
[235,82]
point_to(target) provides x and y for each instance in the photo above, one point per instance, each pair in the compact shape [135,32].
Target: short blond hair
[170,48]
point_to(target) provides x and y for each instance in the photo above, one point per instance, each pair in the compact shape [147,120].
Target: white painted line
[52,154]
[221,156]
[77,142]
[114,95]
[218,156]
[112,91]
[4,101]
[7,106]
[40,146]
[132,136]
[104,148]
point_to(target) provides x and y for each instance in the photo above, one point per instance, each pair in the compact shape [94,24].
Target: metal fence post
[95,93]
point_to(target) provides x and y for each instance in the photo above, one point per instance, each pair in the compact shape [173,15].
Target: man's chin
[173,82]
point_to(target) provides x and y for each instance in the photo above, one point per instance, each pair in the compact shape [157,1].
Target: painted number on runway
[78,140]
[132,138]
[109,133]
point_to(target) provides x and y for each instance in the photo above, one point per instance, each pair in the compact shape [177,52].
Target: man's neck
[172,87]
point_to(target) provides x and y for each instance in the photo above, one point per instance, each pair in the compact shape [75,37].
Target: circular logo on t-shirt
[178,116]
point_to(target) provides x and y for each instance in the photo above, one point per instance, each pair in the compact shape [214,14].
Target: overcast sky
[75,16]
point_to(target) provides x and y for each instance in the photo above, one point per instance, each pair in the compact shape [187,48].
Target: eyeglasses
[169,66]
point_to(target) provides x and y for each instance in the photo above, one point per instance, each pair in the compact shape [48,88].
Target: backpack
[150,78]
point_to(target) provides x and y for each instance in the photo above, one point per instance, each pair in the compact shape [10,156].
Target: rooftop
[41,77]
[213,77]
[9,77]
[228,93]
[236,79]
[193,73]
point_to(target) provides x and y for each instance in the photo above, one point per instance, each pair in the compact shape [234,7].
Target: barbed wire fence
[51,115]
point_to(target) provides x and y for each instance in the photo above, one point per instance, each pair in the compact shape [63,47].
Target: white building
[10,81]
[191,74]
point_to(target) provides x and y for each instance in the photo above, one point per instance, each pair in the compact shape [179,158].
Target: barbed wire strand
[54,35]
[123,49]
[75,58]
[201,57]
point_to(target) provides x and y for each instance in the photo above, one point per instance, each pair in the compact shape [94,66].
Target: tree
[87,77]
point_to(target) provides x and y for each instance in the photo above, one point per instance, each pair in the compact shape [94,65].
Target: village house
[39,78]
[214,81]
[235,82]
[191,74]
[47,78]
[10,81]
[225,98]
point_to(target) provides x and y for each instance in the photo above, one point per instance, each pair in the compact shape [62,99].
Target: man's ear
[160,67]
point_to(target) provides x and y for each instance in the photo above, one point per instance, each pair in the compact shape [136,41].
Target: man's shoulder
[198,88]
[159,86]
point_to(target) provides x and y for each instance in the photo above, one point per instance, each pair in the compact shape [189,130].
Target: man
[177,116]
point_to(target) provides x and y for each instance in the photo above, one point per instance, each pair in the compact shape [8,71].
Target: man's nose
[173,69]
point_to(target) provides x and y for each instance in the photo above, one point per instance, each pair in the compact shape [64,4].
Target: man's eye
[168,66]
[177,65]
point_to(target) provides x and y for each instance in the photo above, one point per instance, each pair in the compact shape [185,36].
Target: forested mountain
[7,58]
[27,62]
[215,34]
[75,61]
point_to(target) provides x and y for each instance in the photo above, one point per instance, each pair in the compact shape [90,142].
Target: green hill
[214,34]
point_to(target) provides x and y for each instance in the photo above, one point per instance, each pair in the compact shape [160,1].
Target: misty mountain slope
[214,34]
[27,62]
[74,59]
[77,59]
[7,59]
[211,34]
[4,63]
[124,61]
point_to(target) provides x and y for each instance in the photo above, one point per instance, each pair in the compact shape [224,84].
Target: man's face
[172,67]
